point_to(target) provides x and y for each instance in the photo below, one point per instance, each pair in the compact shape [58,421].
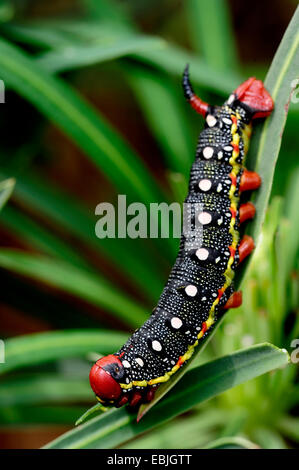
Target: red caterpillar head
[104,378]
[254,95]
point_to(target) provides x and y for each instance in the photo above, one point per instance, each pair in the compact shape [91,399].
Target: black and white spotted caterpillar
[199,288]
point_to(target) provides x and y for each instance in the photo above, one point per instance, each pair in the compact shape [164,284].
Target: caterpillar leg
[200,106]
[250,180]
[245,248]
[247,211]
[234,301]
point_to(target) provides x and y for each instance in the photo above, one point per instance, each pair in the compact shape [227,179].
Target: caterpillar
[200,286]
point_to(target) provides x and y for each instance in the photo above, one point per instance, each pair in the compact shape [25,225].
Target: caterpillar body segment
[200,286]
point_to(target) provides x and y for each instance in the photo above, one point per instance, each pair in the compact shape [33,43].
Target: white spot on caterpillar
[220,220]
[227,253]
[208,152]
[203,299]
[231,99]
[202,254]
[217,259]
[139,361]
[156,345]
[228,148]
[211,120]
[126,364]
[205,185]
[214,295]
[187,332]
[227,120]
[127,381]
[176,323]
[204,218]
[191,290]
[228,181]
[220,154]
[219,188]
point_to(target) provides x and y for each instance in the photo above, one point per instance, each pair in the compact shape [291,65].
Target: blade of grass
[211,33]
[138,262]
[54,98]
[200,384]
[34,234]
[44,388]
[68,278]
[171,59]
[232,443]
[6,189]
[162,105]
[77,56]
[267,137]
[24,415]
[39,348]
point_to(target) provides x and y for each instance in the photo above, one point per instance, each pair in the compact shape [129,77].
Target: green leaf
[197,429]
[138,262]
[173,59]
[76,118]
[85,285]
[88,413]
[169,58]
[163,106]
[42,414]
[267,138]
[289,427]
[211,33]
[268,438]
[77,56]
[33,233]
[44,388]
[232,443]
[39,348]
[201,383]
[6,188]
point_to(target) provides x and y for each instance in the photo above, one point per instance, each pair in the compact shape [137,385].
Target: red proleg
[245,248]
[247,211]
[234,301]
[249,180]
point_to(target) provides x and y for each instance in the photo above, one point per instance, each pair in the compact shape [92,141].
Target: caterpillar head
[254,96]
[104,378]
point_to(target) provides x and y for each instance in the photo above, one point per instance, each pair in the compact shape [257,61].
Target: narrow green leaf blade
[232,443]
[267,138]
[200,384]
[86,285]
[6,188]
[211,33]
[40,348]
[44,388]
[76,118]
[77,56]
[163,106]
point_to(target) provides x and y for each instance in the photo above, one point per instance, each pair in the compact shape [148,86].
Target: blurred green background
[94,108]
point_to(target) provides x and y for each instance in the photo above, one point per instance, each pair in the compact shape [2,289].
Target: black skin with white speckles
[154,349]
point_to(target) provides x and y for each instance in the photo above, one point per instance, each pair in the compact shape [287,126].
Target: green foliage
[47,66]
